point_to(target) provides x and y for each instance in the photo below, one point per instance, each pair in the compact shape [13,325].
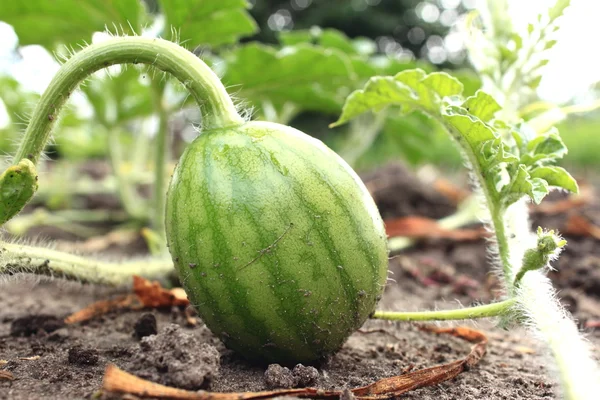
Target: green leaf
[69,22]
[311,77]
[292,38]
[523,184]
[508,170]
[471,129]
[441,83]
[482,105]
[534,82]
[549,44]
[329,38]
[558,8]
[412,89]
[557,177]
[212,23]
[495,152]
[550,144]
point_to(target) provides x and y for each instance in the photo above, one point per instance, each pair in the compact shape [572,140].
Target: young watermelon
[276,240]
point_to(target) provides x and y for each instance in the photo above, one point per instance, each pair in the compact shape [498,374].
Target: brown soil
[51,360]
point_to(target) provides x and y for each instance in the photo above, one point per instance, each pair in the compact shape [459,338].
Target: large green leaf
[70,22]
[410,89]
[311,77]
[203,22]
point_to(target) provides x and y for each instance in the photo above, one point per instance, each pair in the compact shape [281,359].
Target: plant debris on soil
[42,357]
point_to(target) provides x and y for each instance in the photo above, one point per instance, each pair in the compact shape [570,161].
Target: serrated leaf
[212,23]
[412,89]
[482,105]
[523,184]
[557,177]
[70,22]
[443,84]
[472,130]
[311,77]
[495,152]
[379,92]
[550,144]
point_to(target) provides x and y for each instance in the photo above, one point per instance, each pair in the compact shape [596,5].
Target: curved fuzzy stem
[484,311]
[579,374]
[215,104]
[21,259]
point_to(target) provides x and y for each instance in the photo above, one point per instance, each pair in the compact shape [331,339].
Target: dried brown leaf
[6,376]
[152,295]
[449,190]
[146,295]
[427,228]
[103,307]
[578,225]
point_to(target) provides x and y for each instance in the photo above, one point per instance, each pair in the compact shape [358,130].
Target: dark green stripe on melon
[288,249]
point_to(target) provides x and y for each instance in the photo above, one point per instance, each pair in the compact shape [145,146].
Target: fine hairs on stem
[575,366]
[16,259]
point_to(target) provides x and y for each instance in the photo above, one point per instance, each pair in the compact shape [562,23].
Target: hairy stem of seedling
[483,311]
[20,259]
[204,86]
[579,373]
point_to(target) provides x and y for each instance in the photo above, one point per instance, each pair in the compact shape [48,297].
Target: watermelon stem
[18,259]
[216,107]
[484,311]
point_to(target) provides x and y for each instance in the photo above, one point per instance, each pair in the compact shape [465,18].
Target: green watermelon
[276,241]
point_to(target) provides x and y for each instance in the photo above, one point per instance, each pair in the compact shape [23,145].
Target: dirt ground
[50,360]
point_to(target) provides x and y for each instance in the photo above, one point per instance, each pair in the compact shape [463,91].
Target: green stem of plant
[484,311]
[502,246]
[204,86]
[492,204]
[161,158]
[20,259]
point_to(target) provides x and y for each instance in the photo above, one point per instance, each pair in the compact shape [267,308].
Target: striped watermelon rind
[276,241]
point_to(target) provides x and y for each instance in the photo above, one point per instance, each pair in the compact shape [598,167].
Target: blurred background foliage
[367,37]
[288,61]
